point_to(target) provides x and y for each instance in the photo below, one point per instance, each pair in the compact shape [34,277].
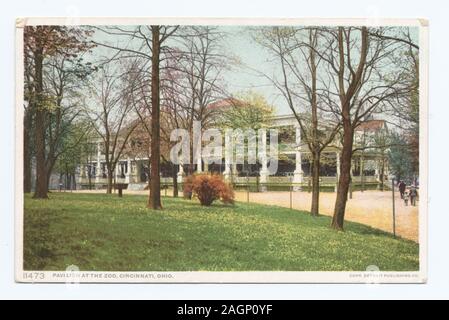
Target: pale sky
[238,43]
[252,57]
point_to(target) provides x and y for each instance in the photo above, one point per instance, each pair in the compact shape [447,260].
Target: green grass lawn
[98,232]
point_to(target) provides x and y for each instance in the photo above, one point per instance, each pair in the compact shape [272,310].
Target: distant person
[413,195]
[402,188]
[406,197]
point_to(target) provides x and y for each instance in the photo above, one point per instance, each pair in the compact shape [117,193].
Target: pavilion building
[369,164]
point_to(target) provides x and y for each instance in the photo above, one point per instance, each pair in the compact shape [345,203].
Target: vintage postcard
[183,150]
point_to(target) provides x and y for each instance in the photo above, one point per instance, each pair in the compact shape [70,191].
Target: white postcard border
[366,277]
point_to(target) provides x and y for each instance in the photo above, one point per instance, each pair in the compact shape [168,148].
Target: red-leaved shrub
[209,188]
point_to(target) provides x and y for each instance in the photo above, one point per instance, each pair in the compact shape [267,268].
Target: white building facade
[369,167]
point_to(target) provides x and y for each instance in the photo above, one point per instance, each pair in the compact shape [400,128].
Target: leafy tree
[41,44]
[246,110]
[401,158]
[75,146]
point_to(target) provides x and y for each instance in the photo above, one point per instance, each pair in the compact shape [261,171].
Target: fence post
[247,188]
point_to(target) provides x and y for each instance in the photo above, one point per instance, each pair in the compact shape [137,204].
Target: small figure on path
[413,195]
[402,188]
[406,197]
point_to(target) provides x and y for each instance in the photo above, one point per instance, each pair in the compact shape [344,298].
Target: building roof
[371,125]
[224,103]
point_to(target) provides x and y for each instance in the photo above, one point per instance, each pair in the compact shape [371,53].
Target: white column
[377,173]
[82,174]
[297,174]
[197,145]
[228,154]
[131,171]
[352,170]
[117,172]
[387,171]
[263,155]
[128,170]
[98,175]
[337,155]
[180,172]
[199,163]
[133,177]
[206,165]
[376,170]
[137,171]
[83,171]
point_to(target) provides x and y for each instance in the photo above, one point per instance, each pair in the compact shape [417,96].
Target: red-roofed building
[369,163]
[224,104]
[371,125]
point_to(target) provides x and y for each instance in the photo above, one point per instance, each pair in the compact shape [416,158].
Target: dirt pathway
[373,208]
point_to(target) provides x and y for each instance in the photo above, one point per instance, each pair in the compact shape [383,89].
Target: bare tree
[172,108]
[363,79]
[296,51]
[173,115]
[111,116]
[148,41]
[200,62]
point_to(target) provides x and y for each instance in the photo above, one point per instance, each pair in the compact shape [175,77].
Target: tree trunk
[315,185]
[74,181]
[175,182]
[49,169]
[362,173]
[89,176]
[191,164]
[382,174]
[26,150]
[109,187]
[316,153]
[41,174]
[309,180]
[347,102]
[154,199]
[258,183]
[345,177]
